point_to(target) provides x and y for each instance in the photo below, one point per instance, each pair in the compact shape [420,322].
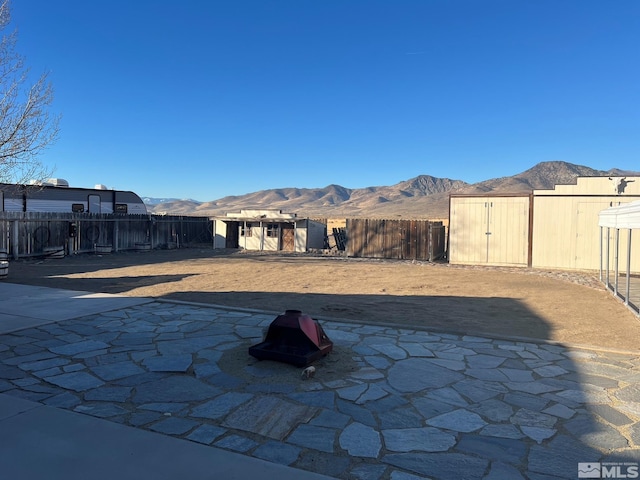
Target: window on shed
[245,229]
[272,230]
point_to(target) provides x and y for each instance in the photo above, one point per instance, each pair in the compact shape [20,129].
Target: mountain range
[422,197]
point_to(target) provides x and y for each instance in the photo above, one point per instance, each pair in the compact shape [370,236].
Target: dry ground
[569,308]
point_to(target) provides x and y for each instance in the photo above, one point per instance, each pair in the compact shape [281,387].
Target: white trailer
[58,197]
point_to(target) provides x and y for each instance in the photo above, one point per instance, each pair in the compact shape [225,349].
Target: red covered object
[295,338]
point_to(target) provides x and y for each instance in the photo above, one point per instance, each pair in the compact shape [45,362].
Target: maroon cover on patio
[295,338]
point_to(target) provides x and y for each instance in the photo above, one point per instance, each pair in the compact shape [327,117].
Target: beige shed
[490,230]
[565,220]
[555,229]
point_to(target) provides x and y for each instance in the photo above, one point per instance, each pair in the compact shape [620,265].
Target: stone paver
[360,440]
[426,439]
[270,416]
[399,404]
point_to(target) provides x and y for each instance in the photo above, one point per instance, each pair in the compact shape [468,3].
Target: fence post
[616,260]
[151,232]
[628,289]
[15,239]
[115,235]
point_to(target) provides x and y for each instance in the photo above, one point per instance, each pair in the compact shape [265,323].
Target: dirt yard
[564,307]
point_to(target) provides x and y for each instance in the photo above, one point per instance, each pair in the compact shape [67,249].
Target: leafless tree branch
[26,126]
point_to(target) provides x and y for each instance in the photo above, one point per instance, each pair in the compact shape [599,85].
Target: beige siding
[467,231]
[566,234]
[553,234]
[509,227]
[494,230]
[489,230]
[588,235]
[585,186]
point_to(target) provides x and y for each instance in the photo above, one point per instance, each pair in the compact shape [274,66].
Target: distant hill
[158,201]
[422,197]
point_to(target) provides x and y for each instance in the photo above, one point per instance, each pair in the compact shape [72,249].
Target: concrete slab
[25,306]
[11,406]
[44,442]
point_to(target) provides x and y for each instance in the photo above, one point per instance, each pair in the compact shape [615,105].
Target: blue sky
[204,98]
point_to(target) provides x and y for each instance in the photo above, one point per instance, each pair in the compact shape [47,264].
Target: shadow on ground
[566,408]
[498,409]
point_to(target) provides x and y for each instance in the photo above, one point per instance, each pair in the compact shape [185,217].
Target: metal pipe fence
[617,249]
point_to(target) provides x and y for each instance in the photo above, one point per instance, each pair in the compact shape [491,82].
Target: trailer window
[94,204]
[121,208]
[77,207]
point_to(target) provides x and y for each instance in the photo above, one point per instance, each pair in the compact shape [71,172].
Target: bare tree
[26,127]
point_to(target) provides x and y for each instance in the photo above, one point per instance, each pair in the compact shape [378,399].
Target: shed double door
[489,231]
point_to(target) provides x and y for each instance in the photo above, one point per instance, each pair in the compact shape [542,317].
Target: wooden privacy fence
[396,239]
[42,234]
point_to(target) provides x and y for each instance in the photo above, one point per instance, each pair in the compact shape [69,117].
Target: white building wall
[270,214]
[269,243]
[306,233]
[258,240]
[301,236]
[219,234]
